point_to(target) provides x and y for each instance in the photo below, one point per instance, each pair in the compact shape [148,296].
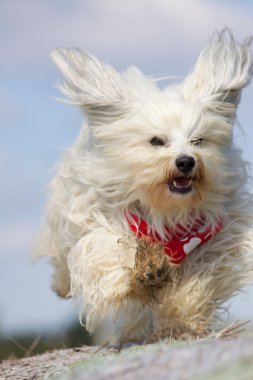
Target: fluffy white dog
[150,218]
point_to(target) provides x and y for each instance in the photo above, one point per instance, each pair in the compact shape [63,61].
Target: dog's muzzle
[182,181]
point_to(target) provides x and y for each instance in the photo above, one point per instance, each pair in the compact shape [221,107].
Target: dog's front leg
[186,311]
[98,274]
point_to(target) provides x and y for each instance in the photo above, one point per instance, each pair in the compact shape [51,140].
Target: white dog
[150,218]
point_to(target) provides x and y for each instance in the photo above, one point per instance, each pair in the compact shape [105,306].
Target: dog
[150,215]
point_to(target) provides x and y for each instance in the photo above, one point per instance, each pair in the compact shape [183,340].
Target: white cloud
[113,29]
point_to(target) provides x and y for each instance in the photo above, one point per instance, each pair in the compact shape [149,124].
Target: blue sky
[161,37]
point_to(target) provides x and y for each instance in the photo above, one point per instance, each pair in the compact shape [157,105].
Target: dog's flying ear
[94,86]
[222,70]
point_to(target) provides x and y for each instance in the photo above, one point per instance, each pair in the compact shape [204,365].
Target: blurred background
[162,37]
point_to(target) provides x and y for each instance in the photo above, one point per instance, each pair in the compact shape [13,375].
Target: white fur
[113,169]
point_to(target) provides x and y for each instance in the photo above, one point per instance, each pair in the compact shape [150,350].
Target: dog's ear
[222,70]
[94,86]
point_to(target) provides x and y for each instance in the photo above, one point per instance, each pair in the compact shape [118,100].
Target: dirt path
[213,359]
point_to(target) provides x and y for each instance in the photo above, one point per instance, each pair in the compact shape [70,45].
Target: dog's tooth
[181,186]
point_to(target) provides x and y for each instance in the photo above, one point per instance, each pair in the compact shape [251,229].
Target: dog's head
[170,149]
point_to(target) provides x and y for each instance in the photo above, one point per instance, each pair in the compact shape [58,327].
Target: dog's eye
[196,142]
[157,141]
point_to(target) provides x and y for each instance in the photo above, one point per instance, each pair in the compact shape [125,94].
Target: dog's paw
[174,333]
[152,273]
[152,267]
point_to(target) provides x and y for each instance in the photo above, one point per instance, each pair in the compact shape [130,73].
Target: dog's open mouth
[181,185]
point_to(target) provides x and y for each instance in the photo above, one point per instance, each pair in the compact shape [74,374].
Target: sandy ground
[214,358]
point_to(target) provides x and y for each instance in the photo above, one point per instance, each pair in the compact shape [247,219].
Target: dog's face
[168,149]
[169,154]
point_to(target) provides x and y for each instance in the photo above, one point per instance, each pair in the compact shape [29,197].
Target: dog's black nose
[185,163]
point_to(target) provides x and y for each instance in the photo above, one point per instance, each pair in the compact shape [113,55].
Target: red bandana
[182,242]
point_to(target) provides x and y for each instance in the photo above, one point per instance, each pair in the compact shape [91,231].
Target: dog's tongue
[182,182]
